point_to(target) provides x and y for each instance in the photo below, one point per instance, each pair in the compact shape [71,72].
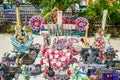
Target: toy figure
[78,73]
[35,69]
[4,72]
[24,75]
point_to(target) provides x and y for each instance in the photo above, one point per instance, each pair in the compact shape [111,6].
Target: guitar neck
[86,33]
[19,23]
[18,17]
[49,61]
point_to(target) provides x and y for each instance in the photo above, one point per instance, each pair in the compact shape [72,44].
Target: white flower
[68,54]
[54,61]
[49,50]
[58,64]
[51,56]
[56,56]
[56,51]
[64,50]
[63,59]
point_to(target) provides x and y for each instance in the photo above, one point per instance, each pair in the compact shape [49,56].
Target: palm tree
[1,1]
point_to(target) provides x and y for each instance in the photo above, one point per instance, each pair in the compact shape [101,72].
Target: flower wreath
[36,23]
[81,24]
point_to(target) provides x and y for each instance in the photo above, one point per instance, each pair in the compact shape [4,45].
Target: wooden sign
[59,17]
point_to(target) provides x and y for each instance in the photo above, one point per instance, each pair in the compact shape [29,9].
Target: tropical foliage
[52,5]
[1,1]
[4,26]
[95,9]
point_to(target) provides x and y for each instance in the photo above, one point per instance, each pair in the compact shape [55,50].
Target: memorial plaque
[110,76]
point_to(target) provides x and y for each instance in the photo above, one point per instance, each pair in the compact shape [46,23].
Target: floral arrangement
[59,59]
[65,43]
[64,20]
[61,52]
[81,24]
[99,43]
[36,23]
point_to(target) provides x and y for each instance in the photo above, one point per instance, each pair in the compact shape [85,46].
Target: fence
[26,12]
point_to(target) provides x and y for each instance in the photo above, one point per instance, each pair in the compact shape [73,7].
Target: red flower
[73,52]
[111,1]
[68,72]
[101,58]
[73,22]
[54,14]
[45,22]
[46,72]
[53,53]
[116,51]
[59,8]
[41,62]
[44,50]
[82,40]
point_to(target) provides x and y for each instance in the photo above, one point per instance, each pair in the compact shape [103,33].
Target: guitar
[85,42]
[51,72]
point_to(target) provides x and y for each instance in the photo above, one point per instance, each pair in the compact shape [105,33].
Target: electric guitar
[51,72]
[85,42]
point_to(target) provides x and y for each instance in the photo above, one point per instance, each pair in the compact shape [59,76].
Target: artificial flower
[36,23]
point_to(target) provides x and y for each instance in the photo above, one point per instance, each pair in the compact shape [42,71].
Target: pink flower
[44,50]
[56,55]
[53,53]
[36,23]
[81,23]
[101,58]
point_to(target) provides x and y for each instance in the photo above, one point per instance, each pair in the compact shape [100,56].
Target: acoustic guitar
[85,42]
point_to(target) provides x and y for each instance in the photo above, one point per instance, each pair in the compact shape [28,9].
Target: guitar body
[85,44]
[85,41]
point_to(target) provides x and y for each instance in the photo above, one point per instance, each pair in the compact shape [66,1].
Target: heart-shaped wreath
[59,59]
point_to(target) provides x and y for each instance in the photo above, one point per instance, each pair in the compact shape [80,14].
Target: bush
[12,29]
[4,26]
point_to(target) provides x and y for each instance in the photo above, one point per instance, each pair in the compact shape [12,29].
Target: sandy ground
[5,42]
[6,46]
